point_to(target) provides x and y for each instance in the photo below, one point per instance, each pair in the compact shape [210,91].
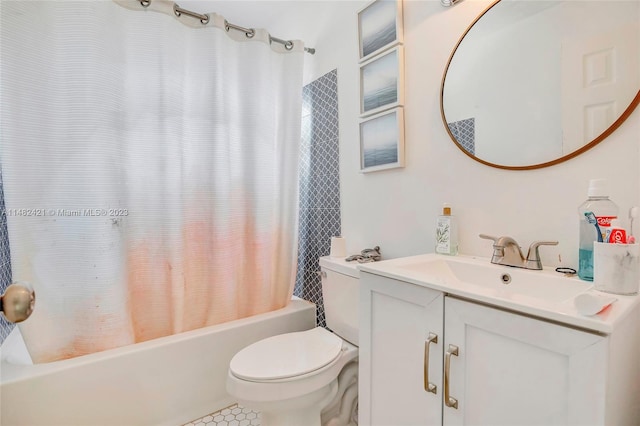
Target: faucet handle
[534,248]
[489,237]
[533,256]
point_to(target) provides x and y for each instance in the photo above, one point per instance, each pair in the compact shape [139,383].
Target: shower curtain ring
[288,45]
[145,3]
[248,32]
[176,11]
[205,21]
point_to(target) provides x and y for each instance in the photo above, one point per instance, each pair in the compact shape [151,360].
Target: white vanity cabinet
[396,319]
[503,368]
[511,369]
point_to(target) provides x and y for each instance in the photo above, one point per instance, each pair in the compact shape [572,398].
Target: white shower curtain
[150,172]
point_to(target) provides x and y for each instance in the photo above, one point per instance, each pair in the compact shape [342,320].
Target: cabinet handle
[449,400]
[429,387]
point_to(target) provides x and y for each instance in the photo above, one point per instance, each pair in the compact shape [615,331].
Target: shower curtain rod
[249,32]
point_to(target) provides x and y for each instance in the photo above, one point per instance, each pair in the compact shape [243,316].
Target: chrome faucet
[506,251]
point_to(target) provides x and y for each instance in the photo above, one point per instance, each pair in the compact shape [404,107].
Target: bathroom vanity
[457,340]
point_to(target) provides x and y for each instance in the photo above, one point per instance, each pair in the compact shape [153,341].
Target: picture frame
[379,27]
[382,141]
[382,82]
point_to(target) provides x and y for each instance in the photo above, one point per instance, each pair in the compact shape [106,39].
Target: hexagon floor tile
[234,415]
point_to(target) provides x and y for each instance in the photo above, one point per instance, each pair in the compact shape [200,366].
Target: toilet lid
[286,355]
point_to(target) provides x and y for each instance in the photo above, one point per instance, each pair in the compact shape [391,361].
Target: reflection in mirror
[533,83]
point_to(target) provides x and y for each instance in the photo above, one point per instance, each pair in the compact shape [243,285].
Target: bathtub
[167,381]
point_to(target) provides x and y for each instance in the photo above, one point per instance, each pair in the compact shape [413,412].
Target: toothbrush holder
[616,268]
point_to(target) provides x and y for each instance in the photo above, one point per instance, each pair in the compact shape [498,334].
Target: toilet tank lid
[286,355]
[338,264]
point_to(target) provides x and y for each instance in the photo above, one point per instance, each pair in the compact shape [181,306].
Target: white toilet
[306,378]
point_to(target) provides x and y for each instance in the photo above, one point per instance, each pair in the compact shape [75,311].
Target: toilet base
[303,410]
[342,411]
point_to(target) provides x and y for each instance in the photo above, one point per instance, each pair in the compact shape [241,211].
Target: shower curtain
[150,172]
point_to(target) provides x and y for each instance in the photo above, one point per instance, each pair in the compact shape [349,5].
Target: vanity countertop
[545,294]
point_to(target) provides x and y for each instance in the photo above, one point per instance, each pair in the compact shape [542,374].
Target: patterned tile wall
[319,185]
[5,262]
[464,131]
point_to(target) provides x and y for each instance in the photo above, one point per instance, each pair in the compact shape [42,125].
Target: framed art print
[379,27]
[381,82]
[382,141]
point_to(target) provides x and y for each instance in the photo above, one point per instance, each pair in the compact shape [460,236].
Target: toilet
[310,377]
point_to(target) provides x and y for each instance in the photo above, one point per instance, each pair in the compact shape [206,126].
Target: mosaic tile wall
[319,185]
[5,262]
[464,131]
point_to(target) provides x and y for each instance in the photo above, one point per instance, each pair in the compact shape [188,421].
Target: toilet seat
[286,356]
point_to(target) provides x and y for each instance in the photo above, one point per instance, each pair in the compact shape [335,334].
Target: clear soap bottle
[446,232]
[605,211]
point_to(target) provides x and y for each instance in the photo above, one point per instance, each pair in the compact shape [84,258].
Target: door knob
[17,302]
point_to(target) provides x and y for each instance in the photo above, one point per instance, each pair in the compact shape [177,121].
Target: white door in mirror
[608,66]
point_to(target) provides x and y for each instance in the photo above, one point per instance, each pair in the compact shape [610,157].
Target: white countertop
[556,309]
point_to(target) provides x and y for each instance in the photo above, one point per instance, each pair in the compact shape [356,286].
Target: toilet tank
[341,295]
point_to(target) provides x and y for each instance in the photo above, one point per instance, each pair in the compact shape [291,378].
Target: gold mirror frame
[627,112]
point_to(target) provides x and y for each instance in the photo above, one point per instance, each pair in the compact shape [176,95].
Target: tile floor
[234,415]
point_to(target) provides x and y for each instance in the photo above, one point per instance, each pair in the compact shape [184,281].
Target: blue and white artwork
[380,82]
[378,26]
[381,141]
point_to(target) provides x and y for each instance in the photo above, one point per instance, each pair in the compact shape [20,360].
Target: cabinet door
[396,320]
[516,370]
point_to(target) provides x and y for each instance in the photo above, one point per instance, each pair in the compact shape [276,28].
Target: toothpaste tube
[615,234]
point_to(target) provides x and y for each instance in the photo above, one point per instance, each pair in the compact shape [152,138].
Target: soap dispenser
[446,232]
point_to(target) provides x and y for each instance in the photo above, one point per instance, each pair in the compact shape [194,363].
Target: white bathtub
[166,381]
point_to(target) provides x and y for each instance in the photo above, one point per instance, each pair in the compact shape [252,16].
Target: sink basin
[496,280]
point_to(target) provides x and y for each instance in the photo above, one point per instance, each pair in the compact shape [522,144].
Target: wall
[319,217]
[5,263]
[396,209]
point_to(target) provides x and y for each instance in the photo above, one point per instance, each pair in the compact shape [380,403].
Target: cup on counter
[338,247]
[616,268]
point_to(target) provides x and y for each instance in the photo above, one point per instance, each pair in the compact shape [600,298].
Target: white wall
[396,209]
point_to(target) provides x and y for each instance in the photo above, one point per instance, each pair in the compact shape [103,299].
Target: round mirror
[534,83]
